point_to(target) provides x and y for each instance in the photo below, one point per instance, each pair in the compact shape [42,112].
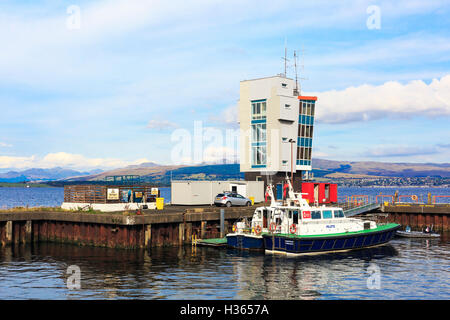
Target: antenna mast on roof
[285,57]
[296,93]
[303,69]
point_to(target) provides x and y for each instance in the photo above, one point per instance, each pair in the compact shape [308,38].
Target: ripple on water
[407,269]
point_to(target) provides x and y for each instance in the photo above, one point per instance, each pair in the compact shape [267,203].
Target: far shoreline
[24,185]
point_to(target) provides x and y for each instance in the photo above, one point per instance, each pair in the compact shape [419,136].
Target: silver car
[231,199]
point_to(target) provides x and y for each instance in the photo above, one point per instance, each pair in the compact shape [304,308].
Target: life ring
[234,228]
[414,197]
[272,226]
[258,229]
[293,228]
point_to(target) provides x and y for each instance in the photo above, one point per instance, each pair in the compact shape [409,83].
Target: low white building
[192,192]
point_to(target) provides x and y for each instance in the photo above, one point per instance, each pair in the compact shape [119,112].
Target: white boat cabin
[306,221]
[295,216]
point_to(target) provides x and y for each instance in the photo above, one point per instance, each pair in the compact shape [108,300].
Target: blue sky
[104,84]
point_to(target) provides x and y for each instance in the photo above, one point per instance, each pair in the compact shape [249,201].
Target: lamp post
[292,141]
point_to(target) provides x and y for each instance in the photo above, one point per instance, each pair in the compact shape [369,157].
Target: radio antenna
[302,52]
[285,57]
[296,76]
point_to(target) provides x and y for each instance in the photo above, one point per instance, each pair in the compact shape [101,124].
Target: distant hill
[384,169]
[41,175]
[164,174]
[160,174]
[331,169]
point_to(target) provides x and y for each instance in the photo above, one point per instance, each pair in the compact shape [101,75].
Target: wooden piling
[181,231]
[28,231]
[9,232]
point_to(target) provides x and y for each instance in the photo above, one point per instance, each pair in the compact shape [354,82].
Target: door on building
[327,193]
[239,188]
[316,192]
[279,191]
[265,212]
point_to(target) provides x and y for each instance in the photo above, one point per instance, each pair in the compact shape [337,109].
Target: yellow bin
[253,200]
[159,203]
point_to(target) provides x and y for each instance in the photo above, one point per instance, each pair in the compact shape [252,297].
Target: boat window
[338,214]
[290,214]
[327,214]
[295,217]
[316,215]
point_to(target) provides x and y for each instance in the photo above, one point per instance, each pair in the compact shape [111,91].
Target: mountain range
[162,174]
[42,175]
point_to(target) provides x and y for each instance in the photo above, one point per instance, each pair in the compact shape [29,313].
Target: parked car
[231,199]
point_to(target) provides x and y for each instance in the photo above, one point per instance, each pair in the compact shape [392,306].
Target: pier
[175,225]
[417,216]
[179,225]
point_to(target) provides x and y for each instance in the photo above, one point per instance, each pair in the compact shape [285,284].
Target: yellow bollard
[253,200]
[159,203]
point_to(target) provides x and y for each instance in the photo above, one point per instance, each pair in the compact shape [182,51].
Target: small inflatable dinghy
[417,234]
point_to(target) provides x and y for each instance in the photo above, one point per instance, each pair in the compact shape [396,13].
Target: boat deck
[215,242]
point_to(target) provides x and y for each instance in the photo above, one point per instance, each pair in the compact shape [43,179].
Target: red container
[333,192]
[308,187]
[320,192]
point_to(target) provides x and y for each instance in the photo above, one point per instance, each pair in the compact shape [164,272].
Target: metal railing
[442,197]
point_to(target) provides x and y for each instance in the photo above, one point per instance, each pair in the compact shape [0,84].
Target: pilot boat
[295,227]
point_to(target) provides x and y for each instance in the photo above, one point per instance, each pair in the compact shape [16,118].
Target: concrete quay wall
[172,227]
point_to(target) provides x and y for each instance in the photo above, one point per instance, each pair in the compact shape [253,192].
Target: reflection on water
[409,269]
[304,277]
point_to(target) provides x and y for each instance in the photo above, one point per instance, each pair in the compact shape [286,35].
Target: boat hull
[279,243]
[245,242]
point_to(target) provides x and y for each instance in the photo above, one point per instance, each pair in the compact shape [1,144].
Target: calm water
[404,269]
[41,197]
[51,197]
[407,269]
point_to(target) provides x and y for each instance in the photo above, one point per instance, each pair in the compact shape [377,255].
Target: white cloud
[66,160]
[5,145]
[399,151]
[161,124]
[16,162]
[406,49]
[221,154]
[228,116]
[391,99]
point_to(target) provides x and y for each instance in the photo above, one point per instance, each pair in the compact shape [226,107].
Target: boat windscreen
[327,214]
[338,214]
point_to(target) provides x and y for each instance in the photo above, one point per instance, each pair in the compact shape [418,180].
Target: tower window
[259,110]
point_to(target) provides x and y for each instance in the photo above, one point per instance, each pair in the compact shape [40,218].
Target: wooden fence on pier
[99,193]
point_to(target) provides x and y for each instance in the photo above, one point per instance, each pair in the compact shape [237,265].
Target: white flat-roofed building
[194,192]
